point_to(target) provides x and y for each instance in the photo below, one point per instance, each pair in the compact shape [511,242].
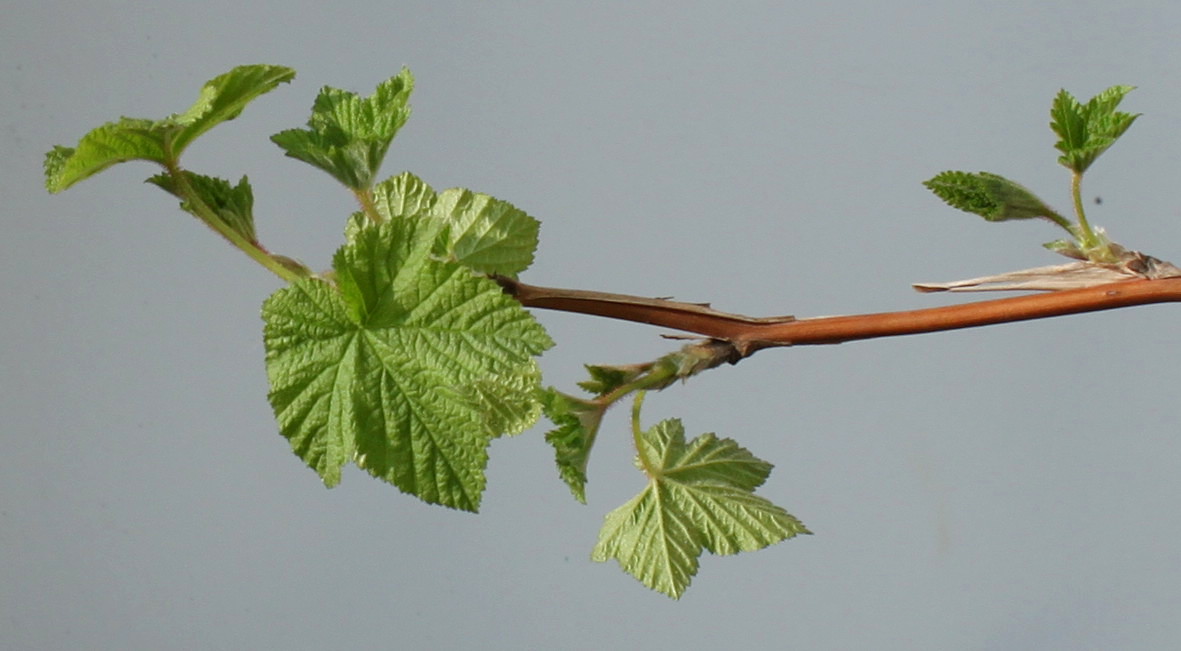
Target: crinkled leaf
[233,204]
[160,141]
[354,224]
[699,496]
[405,369]
[991,196]
[312,347]
[348,136]
[404,195]
[577,424]
[510,403]
[485,234]
[1086,130]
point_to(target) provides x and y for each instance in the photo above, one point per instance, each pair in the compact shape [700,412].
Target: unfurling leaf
[233,205]
[700,495]
[348,136]
[991,196]
[605,379]
[577,423]
[406,369]
[161,141]
[1086,130]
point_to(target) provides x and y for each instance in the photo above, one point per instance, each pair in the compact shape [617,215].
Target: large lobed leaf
[348,136]
[700,495]
[161,141]
[409,369]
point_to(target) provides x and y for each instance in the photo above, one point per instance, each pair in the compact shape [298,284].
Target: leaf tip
[55,161]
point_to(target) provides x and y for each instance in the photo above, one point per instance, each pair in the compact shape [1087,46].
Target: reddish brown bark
[749,334]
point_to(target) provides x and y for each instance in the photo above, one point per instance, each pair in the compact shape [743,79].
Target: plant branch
[699,318]
[749,334]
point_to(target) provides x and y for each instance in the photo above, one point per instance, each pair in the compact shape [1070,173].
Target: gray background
[1011,487]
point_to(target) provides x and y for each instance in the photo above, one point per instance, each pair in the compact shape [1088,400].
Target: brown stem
[690,317]
[751,334]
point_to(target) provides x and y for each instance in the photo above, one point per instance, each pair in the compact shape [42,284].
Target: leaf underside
[700,496]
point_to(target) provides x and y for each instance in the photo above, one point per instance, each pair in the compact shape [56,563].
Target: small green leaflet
[991,196]
[700,495]
[348,136]
[1086,130]
[409,369]
[232,204]
[605,379]
[485,234]
[577,422]
[161,141]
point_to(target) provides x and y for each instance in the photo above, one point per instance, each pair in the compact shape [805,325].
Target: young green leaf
[222,99]
[699,496]
[578,420]
[161,141]
[991,196]
[112,143]
[1086,130]
[233,204]
[404,367]
[404,195]
[486,234]
[577,423]
[347,136]
[605,379]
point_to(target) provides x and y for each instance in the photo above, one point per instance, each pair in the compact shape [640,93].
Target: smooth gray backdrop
[1011,487]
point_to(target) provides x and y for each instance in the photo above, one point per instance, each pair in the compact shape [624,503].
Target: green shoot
[1085,131]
